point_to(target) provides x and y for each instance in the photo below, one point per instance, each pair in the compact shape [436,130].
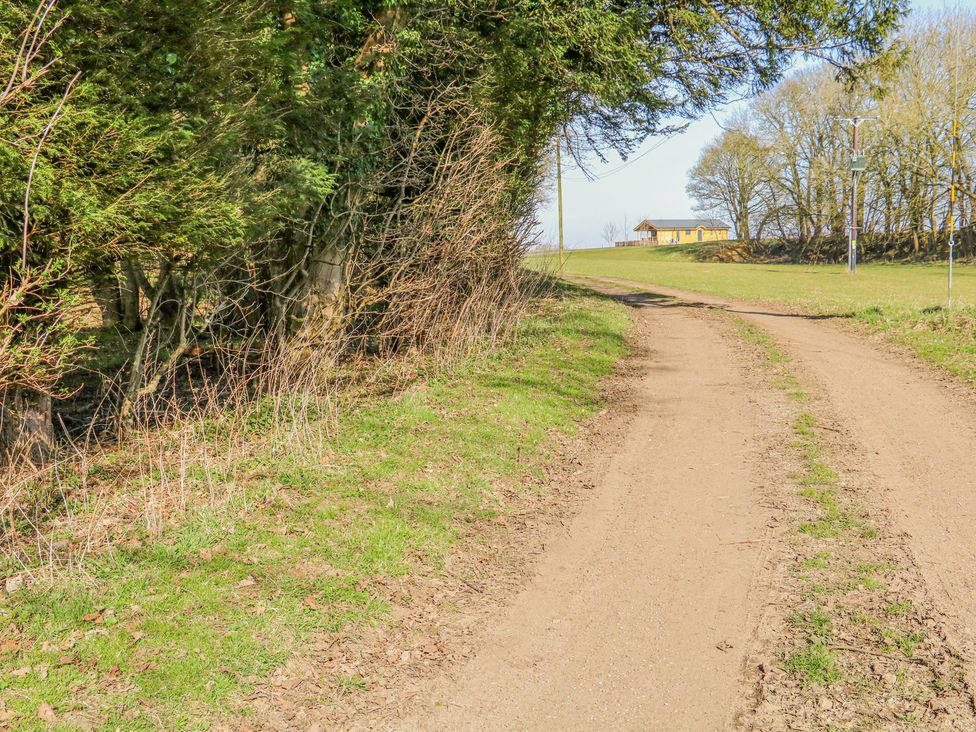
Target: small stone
[14,583]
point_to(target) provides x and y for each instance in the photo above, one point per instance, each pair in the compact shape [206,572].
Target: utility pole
[954,142]
[559,189]
[852,241]
[858,164]
[952,206]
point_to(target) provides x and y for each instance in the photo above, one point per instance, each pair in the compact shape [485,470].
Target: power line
[627,164]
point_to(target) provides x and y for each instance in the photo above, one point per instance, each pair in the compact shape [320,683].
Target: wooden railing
[633,243]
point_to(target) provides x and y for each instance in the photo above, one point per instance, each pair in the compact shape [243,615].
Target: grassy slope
[172,633]
[903,301]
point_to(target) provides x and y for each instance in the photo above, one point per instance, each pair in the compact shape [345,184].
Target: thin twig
[879,654]
[33,166]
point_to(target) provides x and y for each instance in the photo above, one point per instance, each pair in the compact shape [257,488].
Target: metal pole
[952,209]
[852,242]
[952,244]
[559,188]
[857,165]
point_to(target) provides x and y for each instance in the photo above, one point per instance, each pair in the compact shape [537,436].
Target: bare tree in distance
[781,170]
[610,233]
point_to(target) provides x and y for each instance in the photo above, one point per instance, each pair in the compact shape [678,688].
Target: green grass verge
[171,633]
[814,664]
[811,660]
[905,302]
[844,588]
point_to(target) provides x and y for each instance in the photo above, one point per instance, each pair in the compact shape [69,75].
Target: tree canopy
[263,173]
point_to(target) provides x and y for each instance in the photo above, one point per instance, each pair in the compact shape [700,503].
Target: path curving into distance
[644,614]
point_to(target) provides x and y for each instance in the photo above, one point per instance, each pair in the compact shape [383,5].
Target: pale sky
[652,186]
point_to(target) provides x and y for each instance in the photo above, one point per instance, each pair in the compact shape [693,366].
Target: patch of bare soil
[722,548]
[866,625]
[851,637]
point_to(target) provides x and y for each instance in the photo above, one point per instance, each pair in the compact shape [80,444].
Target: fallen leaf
[247,582]
[92,617]
[19,672]
[45,713]
[310,602]
[11,644]
[138,636]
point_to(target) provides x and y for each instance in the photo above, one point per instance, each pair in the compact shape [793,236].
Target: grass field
[823,288]
[172,631]
[905,302]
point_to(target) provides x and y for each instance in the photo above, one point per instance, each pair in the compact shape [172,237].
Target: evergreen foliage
[264,173]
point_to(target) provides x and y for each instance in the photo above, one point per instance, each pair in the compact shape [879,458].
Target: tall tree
[312,174]
[730,180]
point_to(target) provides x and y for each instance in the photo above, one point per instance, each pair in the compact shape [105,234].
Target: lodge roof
[664,224]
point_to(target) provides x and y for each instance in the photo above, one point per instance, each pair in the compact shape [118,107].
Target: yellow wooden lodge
[677,231]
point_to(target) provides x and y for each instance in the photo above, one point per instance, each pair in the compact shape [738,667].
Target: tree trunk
[129,296]
[106,293]
[327,282]
[26,427]
[742,228]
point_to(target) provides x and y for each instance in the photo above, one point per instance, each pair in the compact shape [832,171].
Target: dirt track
[646,613]
[594,642]
[912,432]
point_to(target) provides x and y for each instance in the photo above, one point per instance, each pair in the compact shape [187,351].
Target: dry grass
[199,558]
